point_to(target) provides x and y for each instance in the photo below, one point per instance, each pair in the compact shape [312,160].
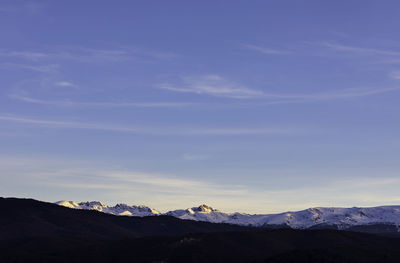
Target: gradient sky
[250,106]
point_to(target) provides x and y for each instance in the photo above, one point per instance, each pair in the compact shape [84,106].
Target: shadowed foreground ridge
[30,218]
[33,231]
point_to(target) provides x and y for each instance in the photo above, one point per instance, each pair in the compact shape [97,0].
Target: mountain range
[318,217]
[35,231]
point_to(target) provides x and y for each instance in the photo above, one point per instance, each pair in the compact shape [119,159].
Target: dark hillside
[21,218]
[33,231]
[250,246]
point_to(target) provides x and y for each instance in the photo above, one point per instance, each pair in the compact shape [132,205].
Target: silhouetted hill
[21,218]
[284,245]
[33,231]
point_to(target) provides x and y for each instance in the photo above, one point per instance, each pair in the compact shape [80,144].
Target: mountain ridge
[35,231]
[330,217]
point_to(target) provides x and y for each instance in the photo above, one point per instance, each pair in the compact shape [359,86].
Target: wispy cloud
[120,177]
[170,191]
[66,84]
[395,74]
[375,55]
[361,50]
[78,54]
[68,103]
[146,130]
[237,131]
[263,99]
[330,45]
[330,95]
[38,68]
[144,186]
[213,85]
[155,183]
[150,53]
[265,50]
[29,55]
[29,7]
[87,55]
[65,124]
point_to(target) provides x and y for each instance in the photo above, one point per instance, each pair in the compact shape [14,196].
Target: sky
[249,106]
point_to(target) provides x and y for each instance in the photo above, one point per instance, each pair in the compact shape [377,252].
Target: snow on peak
[201,213]
[134,210]
[335,216]
[92,204]
[69,204]
[204,208]
[119,209]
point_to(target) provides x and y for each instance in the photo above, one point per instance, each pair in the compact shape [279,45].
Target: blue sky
[260,106]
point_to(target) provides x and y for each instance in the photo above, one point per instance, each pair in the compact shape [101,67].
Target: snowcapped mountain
[119,209]
[341,218]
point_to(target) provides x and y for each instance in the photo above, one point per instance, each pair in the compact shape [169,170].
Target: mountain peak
[118,209]
[69,204]
[204,208]
[341,218]
[92,204]
[121,205]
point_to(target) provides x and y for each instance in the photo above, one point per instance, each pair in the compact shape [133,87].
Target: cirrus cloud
[213,85]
